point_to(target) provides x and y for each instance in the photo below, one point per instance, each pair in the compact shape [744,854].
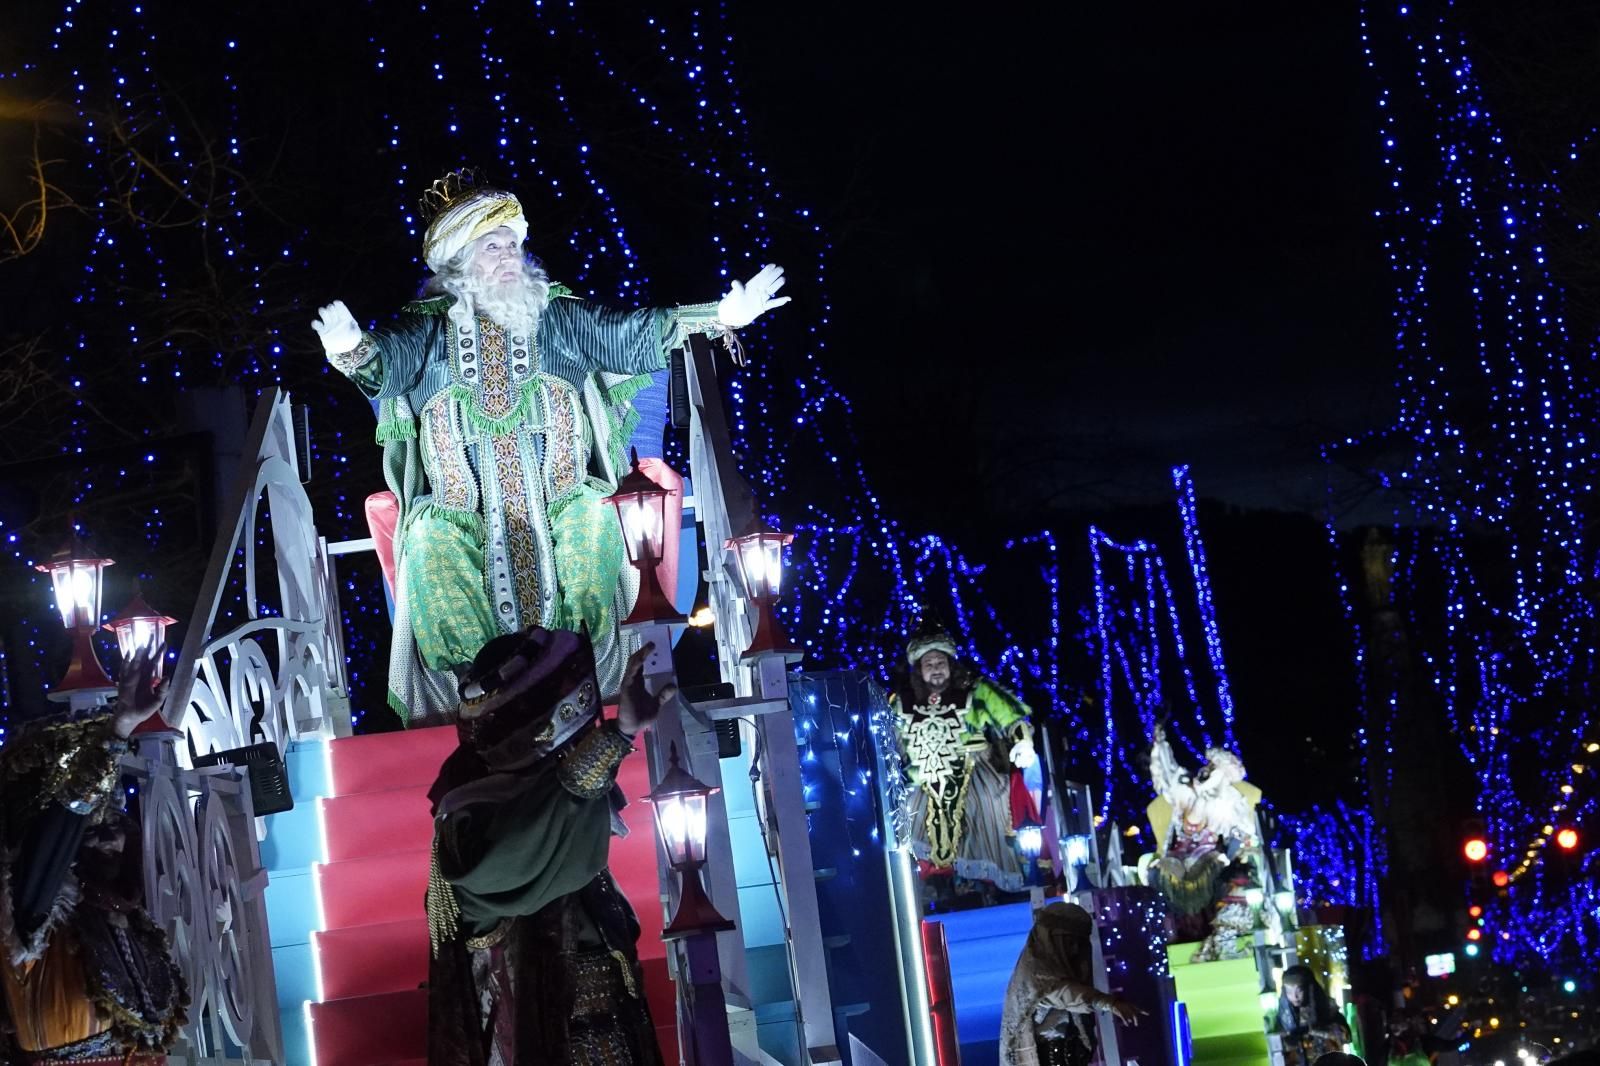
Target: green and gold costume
[499,448]
[961,813]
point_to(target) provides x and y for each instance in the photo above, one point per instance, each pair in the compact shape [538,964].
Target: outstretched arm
[382,363]
[1165,772]
[637,342]
[1079,998]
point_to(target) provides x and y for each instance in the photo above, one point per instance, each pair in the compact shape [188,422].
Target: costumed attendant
[1048,1017]
[88,976]
[1310,1024]
[1211,850]
[961,736]
[505,417]
[534,956]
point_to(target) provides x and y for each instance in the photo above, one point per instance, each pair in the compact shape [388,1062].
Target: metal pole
[702,968]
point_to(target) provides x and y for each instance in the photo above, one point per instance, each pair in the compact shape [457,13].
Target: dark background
[1065,250]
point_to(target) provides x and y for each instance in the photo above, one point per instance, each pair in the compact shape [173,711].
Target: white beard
[515,305]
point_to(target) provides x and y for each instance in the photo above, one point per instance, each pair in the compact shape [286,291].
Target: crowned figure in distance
[961,736]
[504,414]
[1209,853]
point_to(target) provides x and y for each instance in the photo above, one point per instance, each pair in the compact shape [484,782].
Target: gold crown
[450,189]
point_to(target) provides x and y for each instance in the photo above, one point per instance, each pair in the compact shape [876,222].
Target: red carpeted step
[378,762]
[633,857]
[633,864]
[378,888]
[366,960]
[370,1030]
[373,823]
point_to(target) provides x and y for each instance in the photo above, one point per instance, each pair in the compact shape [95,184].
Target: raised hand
[337,328]
[750,300]
[1124,1012]
[1023,755]
[138,696]
[637,708]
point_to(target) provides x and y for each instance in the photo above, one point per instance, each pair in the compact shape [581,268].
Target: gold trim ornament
[459,210]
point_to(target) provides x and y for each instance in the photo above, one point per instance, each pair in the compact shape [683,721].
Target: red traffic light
[1501,879]
[1476,849]
[1567,839]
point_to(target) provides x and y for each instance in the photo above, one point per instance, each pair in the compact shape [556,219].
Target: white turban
[480,212]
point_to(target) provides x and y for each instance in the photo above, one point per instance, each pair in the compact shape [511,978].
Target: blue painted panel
[780,1040]
[292,907]
[737,796]
[750,854]
[296,974]
[759,916]
[770,985]
[840,766]
[294,838]
[688,564]
[307,763]
[295,1050]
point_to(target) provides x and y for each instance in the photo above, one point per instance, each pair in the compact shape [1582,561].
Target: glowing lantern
[641,507]
[679,801]
[75,575]
[138,628]
[759,551]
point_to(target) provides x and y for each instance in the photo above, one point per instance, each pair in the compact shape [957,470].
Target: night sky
[1123,237]
[1072,248]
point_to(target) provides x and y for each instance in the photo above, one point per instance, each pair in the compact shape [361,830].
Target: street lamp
[641,507]
[1030,841]
[75,575]
[759,551]
[140,628]
[679,801]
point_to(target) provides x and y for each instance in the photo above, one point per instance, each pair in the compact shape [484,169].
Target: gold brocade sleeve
[590,765]
[70,763]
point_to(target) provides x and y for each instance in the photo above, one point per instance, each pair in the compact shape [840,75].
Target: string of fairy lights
[861,580]
[1495,408]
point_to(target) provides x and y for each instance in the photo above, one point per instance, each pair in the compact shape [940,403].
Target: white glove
[749,301]
[337,328]
[1023,755]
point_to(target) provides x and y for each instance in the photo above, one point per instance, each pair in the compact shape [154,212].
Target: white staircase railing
[276,674]
[724,506]
[205,886]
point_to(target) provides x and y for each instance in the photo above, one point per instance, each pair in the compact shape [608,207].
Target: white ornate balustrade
[254,669]
[205,886]
[277,673]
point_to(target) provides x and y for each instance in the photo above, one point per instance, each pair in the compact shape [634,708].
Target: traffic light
[1476,849]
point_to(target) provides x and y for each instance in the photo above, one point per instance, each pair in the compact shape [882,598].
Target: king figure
[504,414]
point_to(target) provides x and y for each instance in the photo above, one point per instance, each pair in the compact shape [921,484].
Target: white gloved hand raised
[337,328]
[748,301]
[1022,754]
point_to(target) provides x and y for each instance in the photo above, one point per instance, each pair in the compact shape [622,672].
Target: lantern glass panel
[86,592]
[681,819]
[138,634]
[61,583]
[643,518]
[761,561]
[1030,840]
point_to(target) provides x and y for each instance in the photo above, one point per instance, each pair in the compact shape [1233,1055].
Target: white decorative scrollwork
[277,674]
[204,886]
